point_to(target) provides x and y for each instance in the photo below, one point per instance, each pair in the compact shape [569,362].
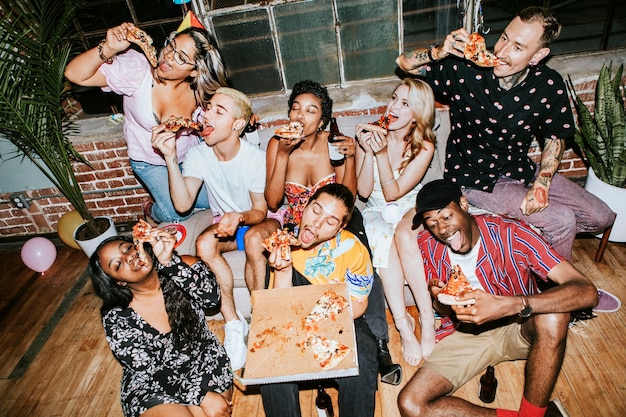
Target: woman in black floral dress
[155,324]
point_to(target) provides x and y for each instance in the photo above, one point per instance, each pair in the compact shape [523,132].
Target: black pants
[375,314]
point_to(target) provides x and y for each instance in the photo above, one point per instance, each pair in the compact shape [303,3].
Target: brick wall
[112,190]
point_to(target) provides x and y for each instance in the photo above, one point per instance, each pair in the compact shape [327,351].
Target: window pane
[308,45]
[428,22]
[157,10]
[245,40]
[369,37]
[103,14]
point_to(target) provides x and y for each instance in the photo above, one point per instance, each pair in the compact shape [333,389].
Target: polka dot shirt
[492,128]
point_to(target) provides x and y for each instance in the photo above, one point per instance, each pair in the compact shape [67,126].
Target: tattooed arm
[412,61]
[454,44]
[537,197]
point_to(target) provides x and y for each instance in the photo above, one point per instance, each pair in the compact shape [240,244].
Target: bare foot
[411,351]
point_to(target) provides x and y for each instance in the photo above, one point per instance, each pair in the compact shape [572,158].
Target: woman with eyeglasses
[188,72]
[154,321]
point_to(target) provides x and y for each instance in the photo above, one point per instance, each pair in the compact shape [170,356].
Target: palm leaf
[35,47]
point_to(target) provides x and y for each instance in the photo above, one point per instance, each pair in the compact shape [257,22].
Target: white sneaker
[235,332]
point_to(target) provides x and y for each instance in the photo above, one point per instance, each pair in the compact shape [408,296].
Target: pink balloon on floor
[39,254]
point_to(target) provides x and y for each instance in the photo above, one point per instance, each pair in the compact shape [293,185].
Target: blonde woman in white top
[390,166]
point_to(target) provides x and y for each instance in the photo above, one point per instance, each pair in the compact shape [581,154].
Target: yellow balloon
[68,223]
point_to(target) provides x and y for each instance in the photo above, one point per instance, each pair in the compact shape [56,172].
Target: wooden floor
[54,360]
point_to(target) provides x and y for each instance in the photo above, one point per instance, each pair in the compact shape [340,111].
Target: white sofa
[200,221]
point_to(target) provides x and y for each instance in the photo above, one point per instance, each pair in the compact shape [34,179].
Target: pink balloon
[39,254]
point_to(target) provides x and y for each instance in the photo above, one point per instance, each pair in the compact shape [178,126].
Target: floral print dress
[155,370]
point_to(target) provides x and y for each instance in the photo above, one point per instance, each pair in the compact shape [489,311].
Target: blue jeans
[154,178]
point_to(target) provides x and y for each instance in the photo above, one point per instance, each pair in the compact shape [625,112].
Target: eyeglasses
[181,58]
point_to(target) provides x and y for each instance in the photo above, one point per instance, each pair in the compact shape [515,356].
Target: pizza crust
[451,300]
[291,130]
[141,38]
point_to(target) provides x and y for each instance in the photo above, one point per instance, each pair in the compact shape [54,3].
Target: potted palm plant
[601,136]
[35,47]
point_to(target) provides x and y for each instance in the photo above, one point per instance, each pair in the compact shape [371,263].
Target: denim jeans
[357,394]
[155,179]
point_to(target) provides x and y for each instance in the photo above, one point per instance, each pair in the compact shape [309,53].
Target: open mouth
[306,236]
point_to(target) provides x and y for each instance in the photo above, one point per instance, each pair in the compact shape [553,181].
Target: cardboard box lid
[276,341]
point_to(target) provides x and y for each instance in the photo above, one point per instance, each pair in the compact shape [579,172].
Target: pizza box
[276,342]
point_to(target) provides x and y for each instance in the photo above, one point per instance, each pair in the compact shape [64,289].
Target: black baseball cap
[435,195]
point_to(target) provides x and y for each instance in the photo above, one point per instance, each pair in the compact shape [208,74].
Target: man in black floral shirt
[495,115]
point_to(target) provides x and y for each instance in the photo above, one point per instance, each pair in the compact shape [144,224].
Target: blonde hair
[422,104]
[243,106]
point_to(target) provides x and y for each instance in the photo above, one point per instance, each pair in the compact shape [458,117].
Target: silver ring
[453,45]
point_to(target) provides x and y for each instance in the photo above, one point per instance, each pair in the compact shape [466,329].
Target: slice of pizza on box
[457,285]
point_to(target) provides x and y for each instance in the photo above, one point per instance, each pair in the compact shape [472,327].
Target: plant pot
[90,245]
[615,198]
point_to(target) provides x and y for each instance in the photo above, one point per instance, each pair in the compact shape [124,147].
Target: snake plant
[602,135]
[35,47]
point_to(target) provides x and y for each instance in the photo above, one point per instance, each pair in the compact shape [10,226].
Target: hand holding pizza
[163,244]
[487,307]
[279,257]
[164,141]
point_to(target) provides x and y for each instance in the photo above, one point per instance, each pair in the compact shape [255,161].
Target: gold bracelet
[388,182]
[101,54]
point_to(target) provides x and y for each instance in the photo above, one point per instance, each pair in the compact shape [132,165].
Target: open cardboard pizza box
[276,342]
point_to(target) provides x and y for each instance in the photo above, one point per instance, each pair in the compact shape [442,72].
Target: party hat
[190,20]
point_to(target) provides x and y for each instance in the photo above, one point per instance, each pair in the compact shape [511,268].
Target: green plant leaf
[35,47]
[602,136]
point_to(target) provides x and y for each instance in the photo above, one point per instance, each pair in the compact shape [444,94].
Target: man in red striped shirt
[504,317]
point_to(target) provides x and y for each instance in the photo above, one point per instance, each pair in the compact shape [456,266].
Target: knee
[253,240]
[409,404]
[563,220]
[551,329]
[206,245]
[404,235]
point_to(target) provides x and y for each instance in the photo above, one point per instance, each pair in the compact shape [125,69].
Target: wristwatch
[527,310]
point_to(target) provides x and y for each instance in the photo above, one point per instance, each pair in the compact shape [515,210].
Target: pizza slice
[476,51]
[281,238]
[457,285]
[141,38]
[327,307]
[291,130]
[142,233]
[327,352]
[486,59]
[381,125]
[179,123]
